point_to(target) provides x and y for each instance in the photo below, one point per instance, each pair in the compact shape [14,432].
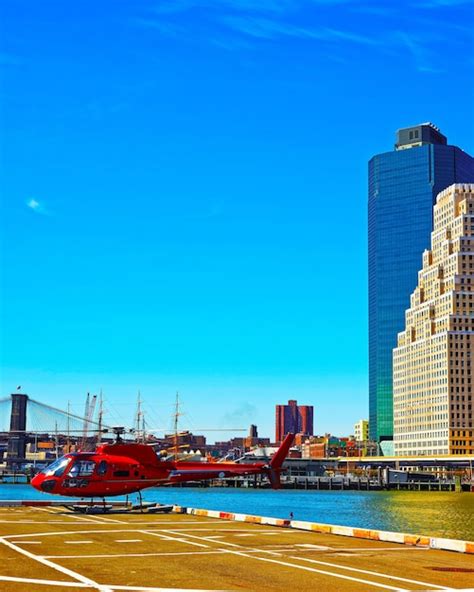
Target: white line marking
[310,547]
[60,568]
[108,531]
[111,520]
[244,535]
[21,522]
[70,532]
[219,525]
[71,515]
[145,589]
[94,519]
[165,554]
[78,542]
[54,521]
[173,521]
[45,582]
[336,566]
[83,519]
[372,573]
[376,549]
[296,566]
[128,541]
[28,542]
[180,540]
[47,510]
[326,573]
[208,539]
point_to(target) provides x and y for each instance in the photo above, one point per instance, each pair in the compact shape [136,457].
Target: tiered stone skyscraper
[433,362]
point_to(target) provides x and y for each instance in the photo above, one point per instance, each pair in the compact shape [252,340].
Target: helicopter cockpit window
[102,467]
[82,468]
[57,468]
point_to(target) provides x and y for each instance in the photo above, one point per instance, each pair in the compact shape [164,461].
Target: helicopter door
[78,473]
[102,468]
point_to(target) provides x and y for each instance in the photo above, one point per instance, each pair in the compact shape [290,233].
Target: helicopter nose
[35,482]
[42,484]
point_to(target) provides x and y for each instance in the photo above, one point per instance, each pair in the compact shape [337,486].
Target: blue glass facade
[403,186]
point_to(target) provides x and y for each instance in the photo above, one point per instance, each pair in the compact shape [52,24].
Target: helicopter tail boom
[275,467]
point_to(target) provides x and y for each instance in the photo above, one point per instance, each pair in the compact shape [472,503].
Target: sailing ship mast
[140,421]
[176,416]
[101,412]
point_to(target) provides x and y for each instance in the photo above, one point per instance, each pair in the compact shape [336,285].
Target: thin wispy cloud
[37,207]
[245,413]
[270,6]
[270,29]
[231,43]
[9,59]
[419,52]
[246,24]
[165,28]
[442,3]
[374,9]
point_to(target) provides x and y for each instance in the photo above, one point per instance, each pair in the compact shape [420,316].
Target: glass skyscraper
[403,185]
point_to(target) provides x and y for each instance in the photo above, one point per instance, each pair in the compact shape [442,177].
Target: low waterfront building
[432,363]
[361,430]
[329,446]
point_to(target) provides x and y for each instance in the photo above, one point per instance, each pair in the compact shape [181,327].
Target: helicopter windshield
[57,468]
[82,468]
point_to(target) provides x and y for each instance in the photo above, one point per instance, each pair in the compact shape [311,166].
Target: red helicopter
[122,468]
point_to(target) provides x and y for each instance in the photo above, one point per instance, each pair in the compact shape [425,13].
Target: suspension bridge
[24,420]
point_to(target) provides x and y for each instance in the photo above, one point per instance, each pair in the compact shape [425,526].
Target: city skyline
[170,191]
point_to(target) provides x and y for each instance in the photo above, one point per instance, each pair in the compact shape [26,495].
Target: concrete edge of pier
[359,533]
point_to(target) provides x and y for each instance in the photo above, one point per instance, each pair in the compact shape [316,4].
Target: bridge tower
[17,440]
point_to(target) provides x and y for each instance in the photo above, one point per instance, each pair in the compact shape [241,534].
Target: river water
[445,514]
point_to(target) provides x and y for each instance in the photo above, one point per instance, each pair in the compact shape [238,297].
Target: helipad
[54,549]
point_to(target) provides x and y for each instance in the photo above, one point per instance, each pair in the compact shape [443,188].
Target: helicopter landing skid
[91,509]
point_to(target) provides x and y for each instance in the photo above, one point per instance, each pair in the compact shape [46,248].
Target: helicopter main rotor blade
[147,429]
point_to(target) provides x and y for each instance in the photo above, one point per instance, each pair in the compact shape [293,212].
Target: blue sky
[184,194]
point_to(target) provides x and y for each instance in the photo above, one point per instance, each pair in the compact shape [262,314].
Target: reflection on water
[445,514]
